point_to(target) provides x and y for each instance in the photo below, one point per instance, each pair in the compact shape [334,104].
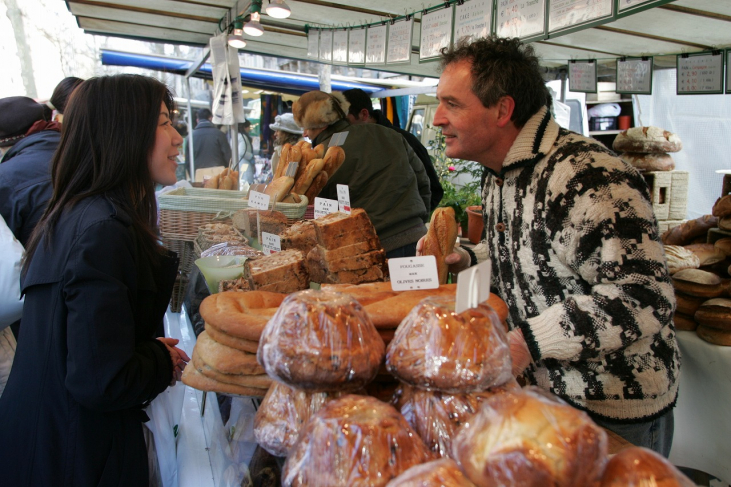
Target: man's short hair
[204,114]
[500,67]
[359,100]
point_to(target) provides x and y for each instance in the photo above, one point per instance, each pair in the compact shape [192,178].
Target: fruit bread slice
[281,266]
[349,263]
[340,229]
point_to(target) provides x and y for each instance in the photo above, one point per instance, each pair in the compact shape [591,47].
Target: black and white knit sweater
[577,258]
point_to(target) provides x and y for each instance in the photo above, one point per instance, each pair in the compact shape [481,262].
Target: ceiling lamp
[253,27]
[236,39]
[278,9]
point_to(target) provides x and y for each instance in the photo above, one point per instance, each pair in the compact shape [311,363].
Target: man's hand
[178,356]
[518,351]
[458,260]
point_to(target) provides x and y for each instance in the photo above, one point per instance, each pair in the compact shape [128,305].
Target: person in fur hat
[383,174]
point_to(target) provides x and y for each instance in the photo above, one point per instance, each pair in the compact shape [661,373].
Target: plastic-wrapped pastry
[231,248]
[321,341]
[531,439]
[436,348]
[443,473]
[640,467]
[353,441]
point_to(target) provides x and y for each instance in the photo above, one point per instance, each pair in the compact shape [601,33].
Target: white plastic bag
[604,110]
[164,412]
[11,253]
[228,108]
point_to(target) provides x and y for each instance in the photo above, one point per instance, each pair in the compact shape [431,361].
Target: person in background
[361,111]
[11,302]
[61,94]
[246,153]
[286,131]
[97,283]
[573,241]
[210,147]
[182,129]
[383,174]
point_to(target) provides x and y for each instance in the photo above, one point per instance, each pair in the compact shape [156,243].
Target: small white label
[259,201]
[473,286]
[270,243]
[343,198]
[337,139]
[325,206]
[409,273]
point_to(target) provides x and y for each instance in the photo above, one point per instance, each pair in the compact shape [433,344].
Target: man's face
[469,128]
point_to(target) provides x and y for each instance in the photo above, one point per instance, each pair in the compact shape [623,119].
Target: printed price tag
[409,273]
[582,76]
[257,200]
[472,19]
[399,42]
[436,32]
[325,206]
[520,18]
[473,286]
[337,139]
[340,46]
[270,243]
[343,198]
[356,46]
[375,52]
[700,73]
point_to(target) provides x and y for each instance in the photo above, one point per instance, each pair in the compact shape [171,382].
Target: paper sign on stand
[270,243]
[259,201]
[343,198]
[325,206]
[411,273]
[473,286]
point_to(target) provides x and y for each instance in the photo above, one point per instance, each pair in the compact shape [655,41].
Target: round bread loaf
[353,441]
[437,348]
[707,253]
[529,439]
[680,258]
[688,305]
[684,322]
[321,341]
[443,473]
[714,336]
[724,245]
[687,232]
[646,140]
[649,162]
[637,466]
[226,359]
[725,223]
[715,313]
[722,207]
[696,282]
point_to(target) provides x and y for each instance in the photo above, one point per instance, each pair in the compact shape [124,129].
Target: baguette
[334,158]
[307,156]
[212,183]
[320,150]
[284,160]
[279,188]
[440,239]
[304,182]
[317,184]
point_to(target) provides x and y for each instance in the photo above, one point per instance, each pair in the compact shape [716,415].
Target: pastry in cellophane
[532,439]
[321,341]
[437,348]
[640,467]
[353,441]
[443,473]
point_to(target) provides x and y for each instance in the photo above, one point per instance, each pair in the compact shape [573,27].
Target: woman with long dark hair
[96,283]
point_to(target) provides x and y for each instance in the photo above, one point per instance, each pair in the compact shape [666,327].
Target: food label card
[270,243]
[410,273]
[343,198]
[257,200]
[325,206]
[700,73]
[473,286]
[337,139]
[399,41]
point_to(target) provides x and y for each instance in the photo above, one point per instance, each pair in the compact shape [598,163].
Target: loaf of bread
[353,441]
[242,315]
[281,272]
[317,184]
[284,159]
[714,336]
[649,162]
[313,168]
[684,322]
[258,381]
[334,158]
[300,236]
[224,338]
[245,221]
[321,341]
[443,473]
[696,282]
[530,439]
[638,467]
[724,223]
[722,206]
[340,229]
[279,188]
[646,140]
[715,313]
[438,348]
[685,233]
[688,305]
[333,263]
[679,258]
[225,359]
[440,239]
[724,245]
[196,380]
[707,253]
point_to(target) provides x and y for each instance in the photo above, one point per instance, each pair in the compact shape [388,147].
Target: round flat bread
[243,344]
[196,380]
[226,359]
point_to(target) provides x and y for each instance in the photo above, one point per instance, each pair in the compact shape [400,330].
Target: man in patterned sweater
[573,241]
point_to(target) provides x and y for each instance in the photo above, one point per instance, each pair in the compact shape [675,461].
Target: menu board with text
[520,18]
[436,32]
[375,52]
[340,47]
[313,44]
[700,73]
[473,19]
[568,13]
[356,46]
[326,46]
[399,41]
[628,4]
[582,76]
[634,76]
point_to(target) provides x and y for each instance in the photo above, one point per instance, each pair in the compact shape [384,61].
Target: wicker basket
[178,296]
[185,251]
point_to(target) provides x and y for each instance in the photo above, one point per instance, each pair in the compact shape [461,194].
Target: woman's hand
[458,260]
[518,351]
[178,356]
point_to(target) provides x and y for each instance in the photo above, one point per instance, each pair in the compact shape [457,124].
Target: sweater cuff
[473,257]
[545,338]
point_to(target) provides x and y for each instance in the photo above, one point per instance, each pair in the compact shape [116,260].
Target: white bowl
[220,267]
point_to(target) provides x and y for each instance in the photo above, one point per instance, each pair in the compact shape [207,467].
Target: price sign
[700,73]
[343,198]
[313,44]
[473,286]
[634,76]
[340,46]
[628,4]
[520,18]
[325,206]
[436,32]
[356,46]
[399,41]
[582,76]
[257,200]
[409,273]
[376,44]
[473,19]
[569,13]
[337,139]
[326,46]
[270,243]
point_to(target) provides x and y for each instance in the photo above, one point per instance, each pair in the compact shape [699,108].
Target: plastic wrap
[436,348]
[531,439]
[321,341]
[231,248]
[443,473]
[353,441]
[641,467]
[436,415]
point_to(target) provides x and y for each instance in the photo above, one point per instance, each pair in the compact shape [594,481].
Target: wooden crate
[678,195]
[665,225]
[659,184]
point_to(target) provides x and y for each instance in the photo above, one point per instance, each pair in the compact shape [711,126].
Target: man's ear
[506,107]
[363,115]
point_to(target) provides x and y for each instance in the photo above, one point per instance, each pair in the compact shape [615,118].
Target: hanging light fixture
[253,27]
[236,39]
[278,9]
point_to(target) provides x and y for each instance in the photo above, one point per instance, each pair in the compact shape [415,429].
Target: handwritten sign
[258,200]
[399,41]
[520,18]
[628,4]
[376,45]
[340,46]
[325,206]
[634,76]
[313,44]
[410,273]
[473,19]
[436,32]
[569,13]
[700,73]
[326,46]
[343,198]
[582,76]
[356,46]
[270,243]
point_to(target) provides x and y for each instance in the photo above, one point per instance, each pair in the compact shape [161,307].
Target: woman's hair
[63,91]
[287,138]
[109,133]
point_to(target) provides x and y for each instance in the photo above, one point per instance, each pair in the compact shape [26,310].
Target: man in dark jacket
[361,111]
[210,145]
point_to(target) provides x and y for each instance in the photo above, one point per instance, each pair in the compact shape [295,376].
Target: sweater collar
[533,142]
